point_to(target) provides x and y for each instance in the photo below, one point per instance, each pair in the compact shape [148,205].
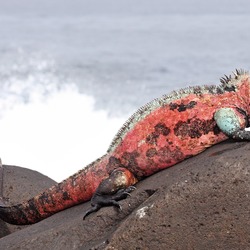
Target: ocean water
[71,72]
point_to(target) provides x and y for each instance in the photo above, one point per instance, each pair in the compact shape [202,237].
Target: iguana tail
[72,191]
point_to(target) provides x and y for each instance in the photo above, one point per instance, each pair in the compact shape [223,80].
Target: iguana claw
[98,201]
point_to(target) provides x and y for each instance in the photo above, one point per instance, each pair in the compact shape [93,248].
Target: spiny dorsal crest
[230,82]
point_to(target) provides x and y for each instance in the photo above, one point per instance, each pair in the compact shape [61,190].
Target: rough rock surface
[20,184]
[201,203]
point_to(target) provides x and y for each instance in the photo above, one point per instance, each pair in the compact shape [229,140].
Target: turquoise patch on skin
[227,120]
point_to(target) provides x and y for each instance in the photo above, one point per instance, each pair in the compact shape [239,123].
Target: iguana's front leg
[233,122]
[116,187]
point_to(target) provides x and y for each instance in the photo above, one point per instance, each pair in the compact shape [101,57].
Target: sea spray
[46,124]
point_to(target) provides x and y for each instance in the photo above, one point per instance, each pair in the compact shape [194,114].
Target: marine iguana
[160,134]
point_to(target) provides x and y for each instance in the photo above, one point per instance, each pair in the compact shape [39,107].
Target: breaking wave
[46,124]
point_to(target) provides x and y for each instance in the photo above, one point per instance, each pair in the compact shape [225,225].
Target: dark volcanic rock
[201,203]
[20,184]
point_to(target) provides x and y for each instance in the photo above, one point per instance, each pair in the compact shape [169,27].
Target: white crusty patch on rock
[143,211]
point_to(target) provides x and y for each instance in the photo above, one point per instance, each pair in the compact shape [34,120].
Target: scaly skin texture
[160,134]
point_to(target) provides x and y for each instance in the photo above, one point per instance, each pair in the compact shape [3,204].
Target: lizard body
[160,134]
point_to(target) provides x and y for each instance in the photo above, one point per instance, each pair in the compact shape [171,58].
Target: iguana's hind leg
[116,187]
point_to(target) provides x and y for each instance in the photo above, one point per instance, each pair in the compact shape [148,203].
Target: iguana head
[238,82]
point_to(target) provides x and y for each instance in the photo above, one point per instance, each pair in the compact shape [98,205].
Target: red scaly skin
[168,136]
[159,135]
[74,190]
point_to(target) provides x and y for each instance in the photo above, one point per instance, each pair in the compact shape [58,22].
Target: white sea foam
[56,136]
[54,130]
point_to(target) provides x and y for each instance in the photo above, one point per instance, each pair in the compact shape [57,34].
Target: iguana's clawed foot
[243,134]
[123,193]
[98,201]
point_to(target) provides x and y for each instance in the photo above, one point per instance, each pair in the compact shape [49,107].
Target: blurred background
[72,72]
